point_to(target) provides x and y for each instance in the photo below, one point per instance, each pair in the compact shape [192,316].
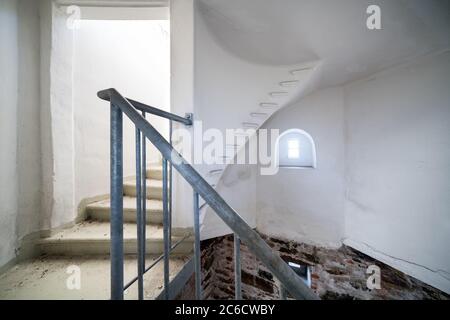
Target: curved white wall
[226,90]
[307,205]
[397,168]
[388,199]
[20,156]
[382,178]
[8,129]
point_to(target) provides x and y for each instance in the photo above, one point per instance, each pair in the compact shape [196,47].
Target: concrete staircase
[93,235]
[87,244]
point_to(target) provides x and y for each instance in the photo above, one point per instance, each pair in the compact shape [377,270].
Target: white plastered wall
[307,205]
[20,156]
[397,168]
[227,90]
[76,135]
[61,124]
[182,97]
[8,129]
[38,185]
[29,126]
[382,179]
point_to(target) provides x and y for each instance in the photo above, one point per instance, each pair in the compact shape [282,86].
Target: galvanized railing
[289,280]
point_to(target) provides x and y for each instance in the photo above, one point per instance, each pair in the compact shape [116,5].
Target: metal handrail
[203,205]
[149,109]
[288,278]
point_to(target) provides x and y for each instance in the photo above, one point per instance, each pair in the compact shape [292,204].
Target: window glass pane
[293,144]
[293,153]
[293,149]
[296,149]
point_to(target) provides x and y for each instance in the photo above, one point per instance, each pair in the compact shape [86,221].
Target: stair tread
[154,167]
[92,230]
[152,183]
[154,172]
[129,203]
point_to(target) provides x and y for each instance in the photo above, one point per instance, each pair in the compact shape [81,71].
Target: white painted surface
[238,189]
[38,176]
[398,177]
[20,155]
[226,84]
[397,130]
[63,206]
[182,96]
[28,115]
[255,31]
[133,57]
[396,200]
[335,32]
[307,205]
[227,90]
[46,13]
[124,13]
[8,129]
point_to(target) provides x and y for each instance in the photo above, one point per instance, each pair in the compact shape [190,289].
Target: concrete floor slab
[47,278]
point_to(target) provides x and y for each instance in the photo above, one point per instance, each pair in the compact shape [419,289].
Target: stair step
[215,171]
[279,94]
[289,83]
[250,125]
[100,210]
[268,105]
[154,172]
[93,238]
[46,278]
[258,114]
[154,188]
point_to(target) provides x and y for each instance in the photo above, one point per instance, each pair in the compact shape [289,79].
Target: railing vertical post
[197,256]
[166,231]
[293,284]
[170,185]
[140,246]
[144,194]
[237,268]
[116,218]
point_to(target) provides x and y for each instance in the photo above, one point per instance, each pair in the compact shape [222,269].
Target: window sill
[296,167]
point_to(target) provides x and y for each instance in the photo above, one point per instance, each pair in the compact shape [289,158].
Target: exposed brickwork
[188,292]
[336,274]
[208,266]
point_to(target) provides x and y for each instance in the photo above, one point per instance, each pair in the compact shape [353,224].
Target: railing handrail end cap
[106,94]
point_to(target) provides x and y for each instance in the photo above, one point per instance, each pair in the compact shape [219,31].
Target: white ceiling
[283,32]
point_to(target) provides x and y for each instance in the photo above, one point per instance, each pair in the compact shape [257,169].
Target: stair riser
[79,248]
[103,214]
[154,174]
[152,192]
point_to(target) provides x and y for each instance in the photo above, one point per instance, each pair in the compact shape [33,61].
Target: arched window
[296,149]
